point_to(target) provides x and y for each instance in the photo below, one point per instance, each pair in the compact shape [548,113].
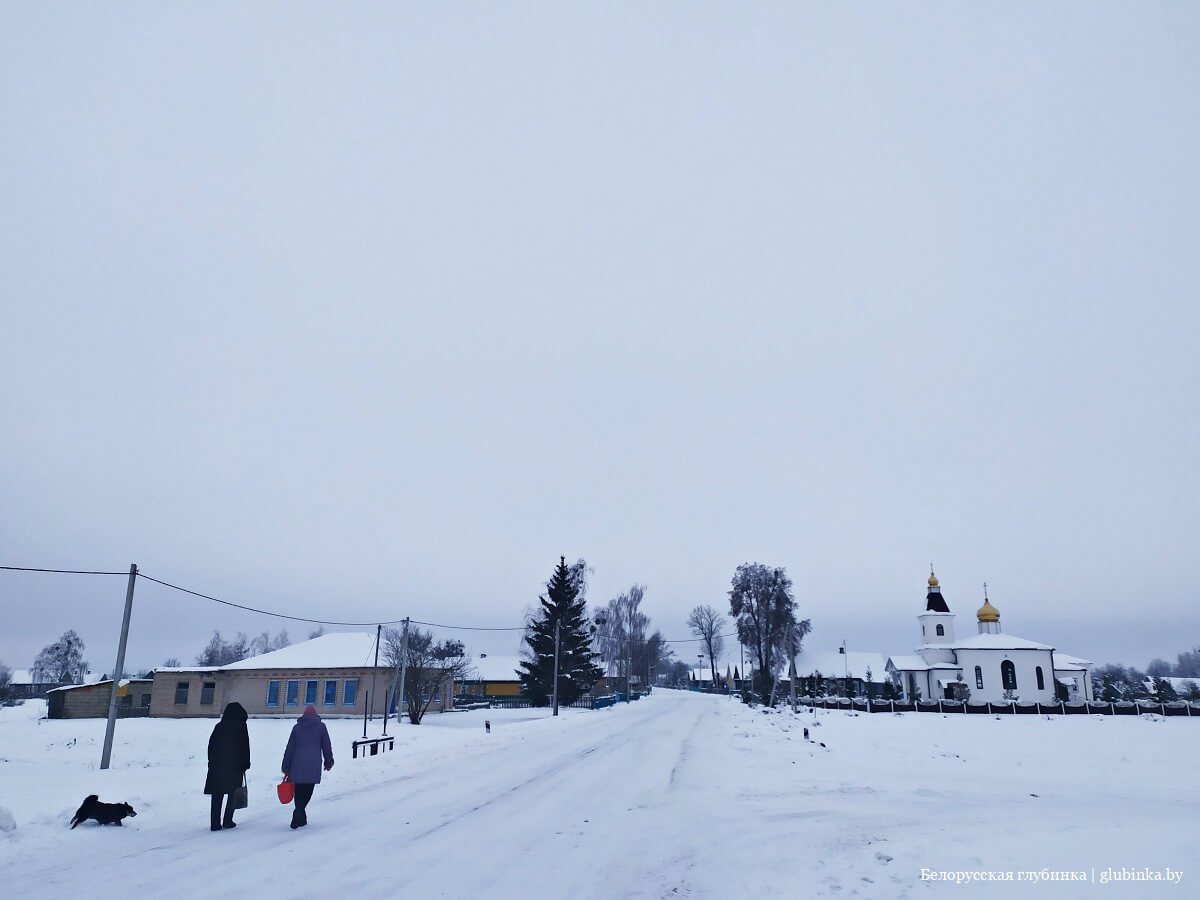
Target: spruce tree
[562,605]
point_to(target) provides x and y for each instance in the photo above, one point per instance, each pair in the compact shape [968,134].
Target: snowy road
[677,795]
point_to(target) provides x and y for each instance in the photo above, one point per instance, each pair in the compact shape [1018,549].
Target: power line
[462,627]
[60,571]
[265,612]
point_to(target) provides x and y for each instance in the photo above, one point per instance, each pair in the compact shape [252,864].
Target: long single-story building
[495,677]
[334,672]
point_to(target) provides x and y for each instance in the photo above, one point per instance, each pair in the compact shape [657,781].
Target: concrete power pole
[106,755]
[557,630]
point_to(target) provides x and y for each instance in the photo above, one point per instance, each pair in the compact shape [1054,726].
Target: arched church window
[979,678]
[941,631]
[1040,680]
[1008,675]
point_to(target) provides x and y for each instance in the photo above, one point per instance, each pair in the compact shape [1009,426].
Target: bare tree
[430,667]
[624,630]
[5,678]
[761,603]
[61,662]
[706,623]
[219,652]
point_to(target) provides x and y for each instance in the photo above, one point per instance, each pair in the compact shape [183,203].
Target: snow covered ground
[676,795]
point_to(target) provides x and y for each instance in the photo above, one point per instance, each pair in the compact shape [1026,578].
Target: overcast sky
[357,311]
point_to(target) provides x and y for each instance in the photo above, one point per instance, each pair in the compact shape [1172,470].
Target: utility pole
[557,629]
[375,671]
[403,669]
[106,755]
[792,664]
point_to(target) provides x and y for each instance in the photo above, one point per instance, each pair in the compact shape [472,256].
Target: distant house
[21,685]
[89,701]
[494,678]
[850,671]
[334,672]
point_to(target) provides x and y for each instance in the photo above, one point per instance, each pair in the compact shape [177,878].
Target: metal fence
[1061,708]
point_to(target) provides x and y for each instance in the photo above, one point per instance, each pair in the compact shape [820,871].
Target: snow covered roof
[496,668]
[74,687]
[336,650]
[908,663]
[832,664]
[25,676]
[1065,661]
[998,642]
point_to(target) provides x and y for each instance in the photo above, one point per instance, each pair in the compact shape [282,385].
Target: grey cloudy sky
[358,311]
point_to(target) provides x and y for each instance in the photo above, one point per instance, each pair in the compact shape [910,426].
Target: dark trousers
[215,811]
[303,794]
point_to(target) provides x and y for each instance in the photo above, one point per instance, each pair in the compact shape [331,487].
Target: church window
[1008,675]
[979,678]
[1041,681]
[941,631]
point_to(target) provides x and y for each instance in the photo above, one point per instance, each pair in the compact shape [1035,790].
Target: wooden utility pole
[106,754]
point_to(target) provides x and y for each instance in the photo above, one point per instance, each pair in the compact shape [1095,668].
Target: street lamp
[597,624]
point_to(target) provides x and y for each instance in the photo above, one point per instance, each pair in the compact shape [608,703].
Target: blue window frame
[330,692]
[272,693]
[293,692]
[310,692]
[349,691]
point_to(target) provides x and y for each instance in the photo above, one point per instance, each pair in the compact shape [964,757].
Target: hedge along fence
[1179,708]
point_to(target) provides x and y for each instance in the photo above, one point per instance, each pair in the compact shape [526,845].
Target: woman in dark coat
[307,746]
[228,760]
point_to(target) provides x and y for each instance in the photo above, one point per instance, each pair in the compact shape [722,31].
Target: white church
[994,666]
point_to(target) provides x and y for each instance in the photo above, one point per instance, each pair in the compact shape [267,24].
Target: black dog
[104,813]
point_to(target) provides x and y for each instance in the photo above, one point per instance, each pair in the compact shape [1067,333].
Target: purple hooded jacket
[306,746]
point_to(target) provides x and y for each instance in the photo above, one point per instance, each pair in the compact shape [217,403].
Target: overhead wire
[277,615]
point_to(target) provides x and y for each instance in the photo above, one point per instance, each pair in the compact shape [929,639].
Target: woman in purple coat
[307,746]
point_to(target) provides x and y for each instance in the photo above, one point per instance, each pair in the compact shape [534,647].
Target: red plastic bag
[286,791]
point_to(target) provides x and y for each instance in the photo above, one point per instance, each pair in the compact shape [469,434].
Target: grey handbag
[241,796]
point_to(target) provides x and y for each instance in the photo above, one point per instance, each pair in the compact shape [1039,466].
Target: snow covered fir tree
[563,607]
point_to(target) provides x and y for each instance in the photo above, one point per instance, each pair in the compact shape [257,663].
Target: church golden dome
[987,612]
[933,582]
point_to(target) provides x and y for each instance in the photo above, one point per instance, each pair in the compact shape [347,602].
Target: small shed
[90,701]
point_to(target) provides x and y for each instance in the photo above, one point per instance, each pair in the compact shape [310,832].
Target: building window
[127,700]
[207,690]
[1008,675]
[330,692]
[272,693]
[310,692]
[145,699]
[349,691]
[181,692]
[979,678]
[293,693]
[1040,680]
[941,631]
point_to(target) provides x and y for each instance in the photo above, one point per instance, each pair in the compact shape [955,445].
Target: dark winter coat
[228,752]
[307,746]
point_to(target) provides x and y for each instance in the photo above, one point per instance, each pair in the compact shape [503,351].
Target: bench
[375,745]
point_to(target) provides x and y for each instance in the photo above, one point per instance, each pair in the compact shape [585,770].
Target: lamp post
[597,624]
